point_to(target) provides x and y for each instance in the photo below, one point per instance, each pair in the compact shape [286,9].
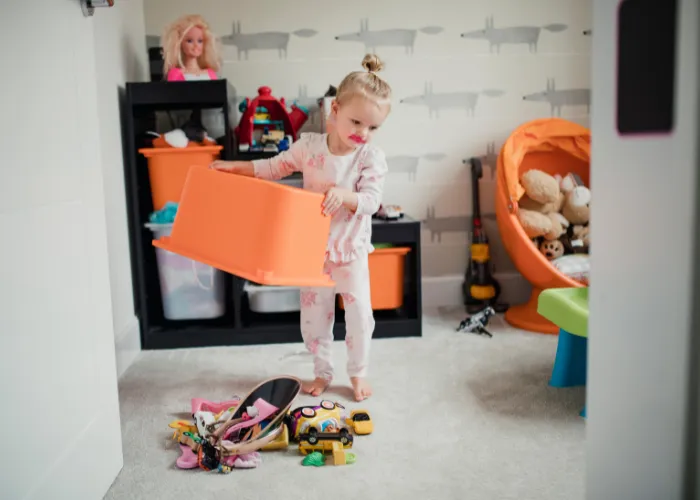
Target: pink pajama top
[362,172]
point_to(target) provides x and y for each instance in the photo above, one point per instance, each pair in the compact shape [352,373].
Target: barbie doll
[190,53]
[190,50]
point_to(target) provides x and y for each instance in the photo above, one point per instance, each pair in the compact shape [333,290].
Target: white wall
[57,362]
[642,296]
[121,56]
[446,60]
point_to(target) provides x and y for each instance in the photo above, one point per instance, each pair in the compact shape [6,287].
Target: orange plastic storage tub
[386,270]
[168,167]
[263,231]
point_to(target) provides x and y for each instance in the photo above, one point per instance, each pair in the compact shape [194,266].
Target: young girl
[343,165]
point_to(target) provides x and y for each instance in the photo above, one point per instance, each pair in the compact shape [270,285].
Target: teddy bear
[539,208]
[577,200]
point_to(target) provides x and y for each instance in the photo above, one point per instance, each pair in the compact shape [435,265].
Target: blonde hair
[176,32]
[365,83]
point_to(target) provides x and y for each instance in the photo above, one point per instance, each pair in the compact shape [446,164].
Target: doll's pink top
[177,75]
[362,171]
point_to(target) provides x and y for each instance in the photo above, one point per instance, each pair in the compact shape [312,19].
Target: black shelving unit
[239,325]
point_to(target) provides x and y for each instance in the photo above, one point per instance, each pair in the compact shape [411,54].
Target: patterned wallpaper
[464,75]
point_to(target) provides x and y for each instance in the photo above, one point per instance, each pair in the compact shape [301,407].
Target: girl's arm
[245,168]
[272,169]
[370,186]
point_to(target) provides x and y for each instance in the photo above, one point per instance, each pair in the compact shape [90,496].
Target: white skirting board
[127,343]
[446,291]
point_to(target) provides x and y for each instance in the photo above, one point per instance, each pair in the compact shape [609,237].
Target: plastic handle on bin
[196,276]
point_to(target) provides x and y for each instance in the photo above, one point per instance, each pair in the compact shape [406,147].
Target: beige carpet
[457,416]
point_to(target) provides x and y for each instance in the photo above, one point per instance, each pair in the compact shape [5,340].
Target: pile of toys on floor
[229,435]
[555,214]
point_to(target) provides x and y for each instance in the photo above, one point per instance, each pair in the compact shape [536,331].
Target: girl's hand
[335,198]
[234,167]
[224,166]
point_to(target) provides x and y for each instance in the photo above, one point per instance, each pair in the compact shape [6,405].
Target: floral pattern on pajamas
[349,243]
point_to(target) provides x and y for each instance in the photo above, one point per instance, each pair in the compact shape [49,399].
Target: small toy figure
[389,212]
[190,50]
[477,323]
[360,422]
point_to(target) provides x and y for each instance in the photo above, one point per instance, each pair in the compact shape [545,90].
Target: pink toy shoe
[245,461]
[248,461]
[188,459]
[201,404]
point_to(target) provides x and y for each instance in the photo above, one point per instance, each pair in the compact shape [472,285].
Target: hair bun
[372,63]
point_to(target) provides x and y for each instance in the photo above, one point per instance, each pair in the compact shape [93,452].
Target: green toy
[315,459]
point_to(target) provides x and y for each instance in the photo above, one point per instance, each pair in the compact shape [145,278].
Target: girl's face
[193,43]
[356,120]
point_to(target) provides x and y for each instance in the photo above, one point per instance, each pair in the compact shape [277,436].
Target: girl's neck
[336,146]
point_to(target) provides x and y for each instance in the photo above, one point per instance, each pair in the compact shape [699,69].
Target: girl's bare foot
[317,387]
[361,388]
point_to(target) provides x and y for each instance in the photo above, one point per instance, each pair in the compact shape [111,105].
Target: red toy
[268,112]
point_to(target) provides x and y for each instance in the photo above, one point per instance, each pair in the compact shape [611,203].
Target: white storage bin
[273,299]
[190,289]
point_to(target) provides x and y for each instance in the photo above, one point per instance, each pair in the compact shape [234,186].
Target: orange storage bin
[263,231]
[168,167]
[386,270]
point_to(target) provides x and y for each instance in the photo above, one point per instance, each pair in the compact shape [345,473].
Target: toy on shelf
[191,134]
[266,122]
[190,50]
[389,212]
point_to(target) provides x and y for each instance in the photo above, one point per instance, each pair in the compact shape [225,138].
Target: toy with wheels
[360,422]
[315,419]
[555,146]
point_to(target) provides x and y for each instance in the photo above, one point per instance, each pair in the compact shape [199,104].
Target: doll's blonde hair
[172,39]
[365,83]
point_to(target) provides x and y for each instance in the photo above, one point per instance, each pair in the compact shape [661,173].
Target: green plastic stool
[568,309]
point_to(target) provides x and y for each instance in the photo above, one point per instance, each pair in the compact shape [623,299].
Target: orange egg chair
[556,146]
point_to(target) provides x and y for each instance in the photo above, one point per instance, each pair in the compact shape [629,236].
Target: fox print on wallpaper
[447,224]
[559,98]
[456,100]
[372,40]
[404,164]
[265,40]
[489,159]
[513,35]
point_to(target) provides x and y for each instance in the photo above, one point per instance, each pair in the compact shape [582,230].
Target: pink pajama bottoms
[318,317]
